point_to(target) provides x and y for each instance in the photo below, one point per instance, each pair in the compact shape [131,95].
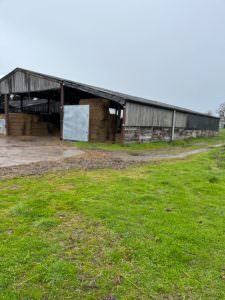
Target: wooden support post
[21,103]
[123,124]
[6,106]
[48,106]
[62,96]
[118,119]
[173,126]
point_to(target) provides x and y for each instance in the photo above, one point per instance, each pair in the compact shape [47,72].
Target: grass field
[191,143]
[149,232]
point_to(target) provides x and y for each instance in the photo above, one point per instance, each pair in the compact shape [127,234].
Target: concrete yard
[15,151]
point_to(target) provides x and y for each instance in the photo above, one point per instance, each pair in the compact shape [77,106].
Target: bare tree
[221,109]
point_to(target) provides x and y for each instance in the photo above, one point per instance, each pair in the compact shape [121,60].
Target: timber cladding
[22,82]
[143,115]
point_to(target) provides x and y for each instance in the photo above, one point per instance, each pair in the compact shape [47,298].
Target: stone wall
[188,133]
[150,134]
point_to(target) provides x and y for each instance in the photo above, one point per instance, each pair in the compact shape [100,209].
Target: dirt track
[22,157]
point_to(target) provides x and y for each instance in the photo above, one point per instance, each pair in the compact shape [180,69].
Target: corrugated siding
[202,122]
[141,115]
[21,82]
[181,120]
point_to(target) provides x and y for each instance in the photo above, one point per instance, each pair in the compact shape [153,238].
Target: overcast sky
[168,50]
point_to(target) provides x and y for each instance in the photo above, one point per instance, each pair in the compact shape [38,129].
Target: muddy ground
[86,161]
[15,151]
[21,156]
[35,156]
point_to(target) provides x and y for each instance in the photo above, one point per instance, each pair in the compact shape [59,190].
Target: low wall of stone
[188,133]
[151,134]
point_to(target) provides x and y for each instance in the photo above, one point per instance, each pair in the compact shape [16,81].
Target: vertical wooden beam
[6,107]
[21,103]
[173,126]
[118,119]
[62,96]
[48,109]
[124,123]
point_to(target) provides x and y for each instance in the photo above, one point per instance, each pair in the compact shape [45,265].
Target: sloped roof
[105,93]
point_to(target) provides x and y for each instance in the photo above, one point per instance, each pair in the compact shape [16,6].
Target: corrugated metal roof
[107,94]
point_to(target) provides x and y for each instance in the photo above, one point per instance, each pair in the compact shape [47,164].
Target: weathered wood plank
[22,82]
[143,115]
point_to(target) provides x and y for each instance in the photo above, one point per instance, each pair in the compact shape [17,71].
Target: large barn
[36,104]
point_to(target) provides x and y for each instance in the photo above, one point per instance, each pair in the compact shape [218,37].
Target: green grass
[149,232]
[191,143]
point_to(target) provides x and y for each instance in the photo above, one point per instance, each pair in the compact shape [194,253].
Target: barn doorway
[34,115]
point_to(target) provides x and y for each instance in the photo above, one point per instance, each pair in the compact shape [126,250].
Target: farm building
[43,105]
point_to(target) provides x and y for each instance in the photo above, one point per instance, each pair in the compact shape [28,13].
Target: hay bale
[98,118]
[27,124]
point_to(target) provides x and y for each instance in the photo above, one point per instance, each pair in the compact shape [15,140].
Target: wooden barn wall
[143,115]
[22,82]
[4,86]
[40,84]
[181,120]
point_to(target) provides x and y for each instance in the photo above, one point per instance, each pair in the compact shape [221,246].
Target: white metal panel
[76,123]
[2,126]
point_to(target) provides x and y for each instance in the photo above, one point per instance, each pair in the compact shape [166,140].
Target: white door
[76,123]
